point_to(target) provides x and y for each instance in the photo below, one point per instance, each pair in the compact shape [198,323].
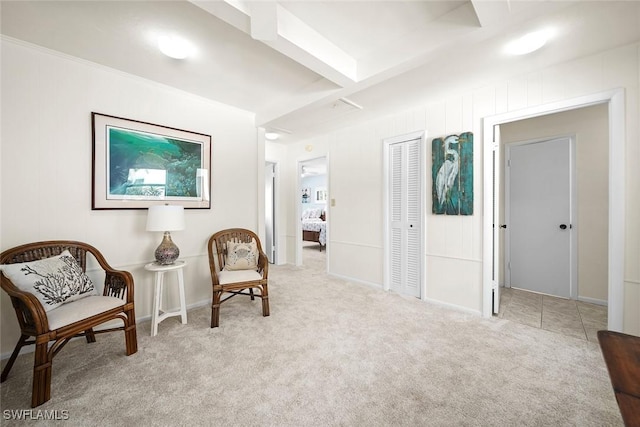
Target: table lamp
[166,218]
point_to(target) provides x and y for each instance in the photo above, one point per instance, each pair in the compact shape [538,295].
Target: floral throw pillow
[54,281]
[241,256]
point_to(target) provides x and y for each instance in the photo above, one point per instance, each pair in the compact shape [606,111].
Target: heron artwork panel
[452,174]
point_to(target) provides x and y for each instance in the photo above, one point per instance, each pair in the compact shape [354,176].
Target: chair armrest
[31,313]
[263,264]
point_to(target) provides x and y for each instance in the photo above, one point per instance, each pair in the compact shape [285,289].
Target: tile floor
[574,318]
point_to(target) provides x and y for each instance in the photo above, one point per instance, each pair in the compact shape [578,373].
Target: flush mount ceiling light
[528,43]
[174,47]
[272,136]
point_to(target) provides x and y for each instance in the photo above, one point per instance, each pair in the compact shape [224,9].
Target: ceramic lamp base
[167,252]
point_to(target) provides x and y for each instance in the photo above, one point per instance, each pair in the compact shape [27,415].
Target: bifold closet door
[405,192]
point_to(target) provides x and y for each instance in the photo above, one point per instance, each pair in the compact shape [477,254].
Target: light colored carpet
[332,353]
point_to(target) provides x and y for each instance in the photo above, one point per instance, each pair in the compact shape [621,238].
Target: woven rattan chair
[235,282]
[72,319]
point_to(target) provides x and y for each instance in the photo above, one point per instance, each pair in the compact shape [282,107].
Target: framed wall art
[138,164]
[320,195]
[452,175]
[306,195]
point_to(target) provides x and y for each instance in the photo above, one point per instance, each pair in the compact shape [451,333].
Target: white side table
[158,314]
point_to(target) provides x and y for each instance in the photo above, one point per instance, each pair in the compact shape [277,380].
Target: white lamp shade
[165,218]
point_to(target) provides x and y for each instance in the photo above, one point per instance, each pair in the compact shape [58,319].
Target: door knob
[563,226]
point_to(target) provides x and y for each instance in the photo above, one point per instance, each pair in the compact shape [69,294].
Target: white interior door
[538,217]
[405,216]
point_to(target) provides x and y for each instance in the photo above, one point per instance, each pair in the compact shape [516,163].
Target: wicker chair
[235,282]
[72,319]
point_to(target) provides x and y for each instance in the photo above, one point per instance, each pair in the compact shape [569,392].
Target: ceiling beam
[293,38]
[264,20]
[491,12]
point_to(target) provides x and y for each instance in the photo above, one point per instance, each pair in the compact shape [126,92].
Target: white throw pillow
[54,281]
[241,256]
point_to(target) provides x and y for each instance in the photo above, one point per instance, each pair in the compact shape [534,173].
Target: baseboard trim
[594,301]
[359,281]
[428,300]
[453,307]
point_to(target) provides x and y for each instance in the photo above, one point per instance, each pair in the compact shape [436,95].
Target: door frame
[615,100]
[275,209]
[573,225]
[386,269]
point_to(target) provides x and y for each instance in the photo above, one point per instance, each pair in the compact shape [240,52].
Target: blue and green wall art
[452,174]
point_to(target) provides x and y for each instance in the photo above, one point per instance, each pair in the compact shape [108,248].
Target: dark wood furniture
[313,236]
[622,355]
[34,322]
[235,282]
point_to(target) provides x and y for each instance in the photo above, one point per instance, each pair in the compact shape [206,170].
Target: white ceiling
[291,62]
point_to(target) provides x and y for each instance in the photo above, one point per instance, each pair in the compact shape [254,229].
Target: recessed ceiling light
[174,47]
[528,43]
[271,136]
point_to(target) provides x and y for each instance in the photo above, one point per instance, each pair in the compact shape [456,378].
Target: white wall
[45,178]
[454,244]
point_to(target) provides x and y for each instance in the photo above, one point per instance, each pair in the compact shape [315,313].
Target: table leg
[183,303]
[156,303]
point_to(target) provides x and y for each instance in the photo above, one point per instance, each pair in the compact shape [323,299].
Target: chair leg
[41,375]
[131,334]
[90,335]
[265,300]
[14,355]
[251,293]
[215,309]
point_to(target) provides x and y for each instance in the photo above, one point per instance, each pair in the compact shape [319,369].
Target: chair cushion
[241,256]
[54,281]
[81,309]
[227,277]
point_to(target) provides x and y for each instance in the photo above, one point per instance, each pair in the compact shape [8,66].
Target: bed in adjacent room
[314,226]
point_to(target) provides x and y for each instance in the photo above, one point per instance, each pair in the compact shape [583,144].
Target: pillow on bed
[241,256]
[54,281]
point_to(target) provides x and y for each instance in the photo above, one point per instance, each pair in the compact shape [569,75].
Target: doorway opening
[493,259]
[313,213]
